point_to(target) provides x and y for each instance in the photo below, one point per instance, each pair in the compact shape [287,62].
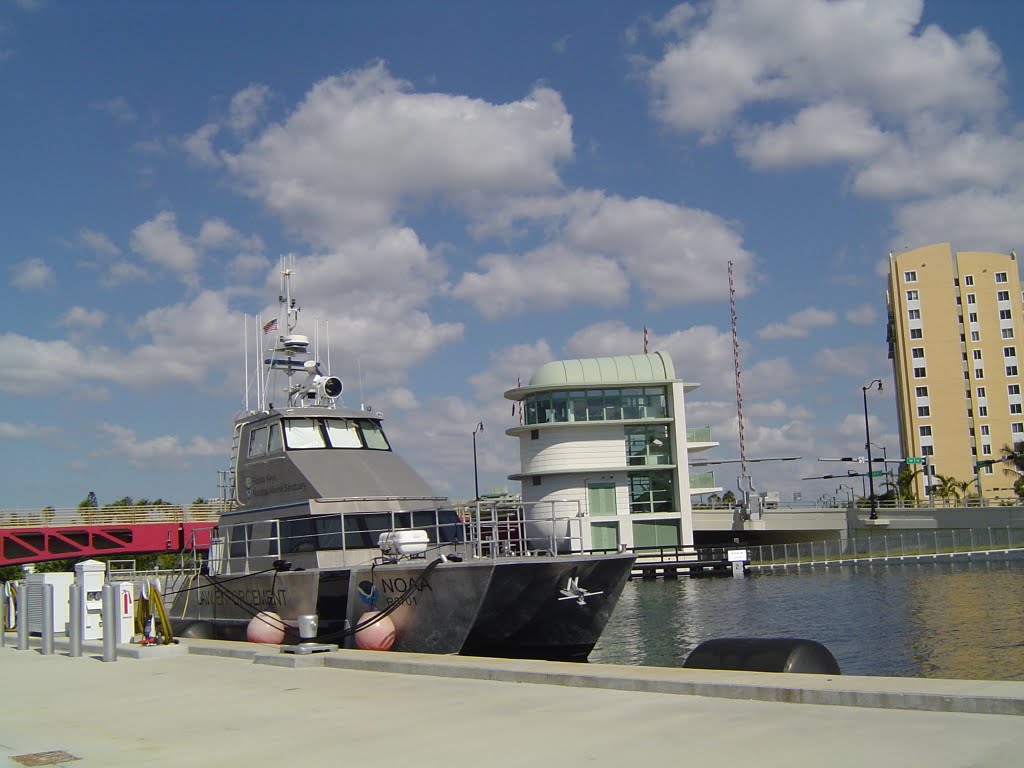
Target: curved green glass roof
[624,369]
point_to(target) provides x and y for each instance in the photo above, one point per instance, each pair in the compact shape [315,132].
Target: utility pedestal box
[35,583]
[90,576]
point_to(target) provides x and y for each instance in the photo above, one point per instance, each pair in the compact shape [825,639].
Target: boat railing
[502,528]
[487,529]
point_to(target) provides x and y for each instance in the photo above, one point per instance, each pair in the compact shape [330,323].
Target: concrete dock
[205,703]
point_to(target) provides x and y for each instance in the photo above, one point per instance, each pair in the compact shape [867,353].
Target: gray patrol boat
[333,538]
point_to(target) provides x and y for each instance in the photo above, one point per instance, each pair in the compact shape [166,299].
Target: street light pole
[476,477]
[867,445]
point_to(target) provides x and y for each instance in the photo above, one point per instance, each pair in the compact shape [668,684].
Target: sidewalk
[181,706]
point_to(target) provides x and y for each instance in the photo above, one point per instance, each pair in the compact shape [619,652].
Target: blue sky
[472,189]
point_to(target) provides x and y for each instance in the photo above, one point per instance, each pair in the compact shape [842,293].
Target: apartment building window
[911,277]
[919,373]
[975,335]
[917,352]
[921,392]
[982,410]
[971,299]
[1011,370]
[979,373]
[1017,427]
[924,411]
[1002,295]
[1000,277]
[1009,351]
[980,391]
[917,333]
[984,430]
[1013,389]
[913,295]
[968,280]
[988,470]
[977,354]
[927,450]
[914,314]
[926,431]
[1016,408]
[1005,314]
[1007,333]
[972,317]
[986,449]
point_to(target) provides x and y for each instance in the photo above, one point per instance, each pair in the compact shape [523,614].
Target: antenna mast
[739,391]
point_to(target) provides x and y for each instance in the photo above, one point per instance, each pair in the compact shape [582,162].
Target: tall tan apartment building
[954,333]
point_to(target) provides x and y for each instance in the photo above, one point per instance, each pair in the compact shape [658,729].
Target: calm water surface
[931,620]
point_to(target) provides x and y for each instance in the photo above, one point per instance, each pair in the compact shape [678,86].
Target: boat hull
[519,607]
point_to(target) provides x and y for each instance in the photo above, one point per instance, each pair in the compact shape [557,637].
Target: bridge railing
[133,515]
[911,543]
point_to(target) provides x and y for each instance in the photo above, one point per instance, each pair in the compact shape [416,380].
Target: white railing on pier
[112,515]
[902,545]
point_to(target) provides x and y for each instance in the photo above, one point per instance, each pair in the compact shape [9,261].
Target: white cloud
[549,277]
[674,255]
[799,324]
[730,54]
[80,318]
[361,143]
[936,158]
[118,108]
[857,361]
[159,242]
[161,451]
[819,134]
[984,219]
[865,314]
[199,145]
[28,431]
[33,275]
[248,108]
[98,243]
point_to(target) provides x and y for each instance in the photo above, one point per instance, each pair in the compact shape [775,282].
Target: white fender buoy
[378,636]
[265,627]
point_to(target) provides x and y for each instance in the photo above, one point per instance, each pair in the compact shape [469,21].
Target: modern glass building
[609,434]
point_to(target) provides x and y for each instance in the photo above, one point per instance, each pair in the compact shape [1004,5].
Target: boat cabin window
[264,440]
[362,531]
[305,434]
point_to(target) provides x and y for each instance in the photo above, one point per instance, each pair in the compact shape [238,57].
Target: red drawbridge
[49,534]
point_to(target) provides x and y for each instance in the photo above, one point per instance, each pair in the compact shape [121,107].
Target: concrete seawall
[202,703]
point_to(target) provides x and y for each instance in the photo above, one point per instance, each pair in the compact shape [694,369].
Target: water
[931,620]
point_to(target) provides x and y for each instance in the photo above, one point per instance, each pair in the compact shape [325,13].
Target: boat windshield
[306,434]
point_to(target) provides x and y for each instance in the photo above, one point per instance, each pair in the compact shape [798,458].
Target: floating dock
[207,703]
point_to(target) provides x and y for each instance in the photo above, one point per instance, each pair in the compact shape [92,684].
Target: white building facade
[607,437]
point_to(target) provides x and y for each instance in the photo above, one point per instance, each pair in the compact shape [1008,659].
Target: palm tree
[947,486]
[905,483]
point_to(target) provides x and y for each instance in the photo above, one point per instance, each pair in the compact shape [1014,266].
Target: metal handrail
[906,544]
[154,513]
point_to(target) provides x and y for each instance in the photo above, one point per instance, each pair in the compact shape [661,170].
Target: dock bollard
[110,622]
[75,608]
[46,639]
[22,617]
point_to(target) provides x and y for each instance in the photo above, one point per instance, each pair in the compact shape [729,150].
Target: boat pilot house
[607,436]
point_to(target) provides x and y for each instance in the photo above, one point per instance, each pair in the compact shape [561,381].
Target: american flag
[271,326]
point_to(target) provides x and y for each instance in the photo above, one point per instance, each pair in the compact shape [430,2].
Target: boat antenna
[245,354]
[359,368]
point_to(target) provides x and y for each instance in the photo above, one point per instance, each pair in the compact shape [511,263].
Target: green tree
[729,497]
